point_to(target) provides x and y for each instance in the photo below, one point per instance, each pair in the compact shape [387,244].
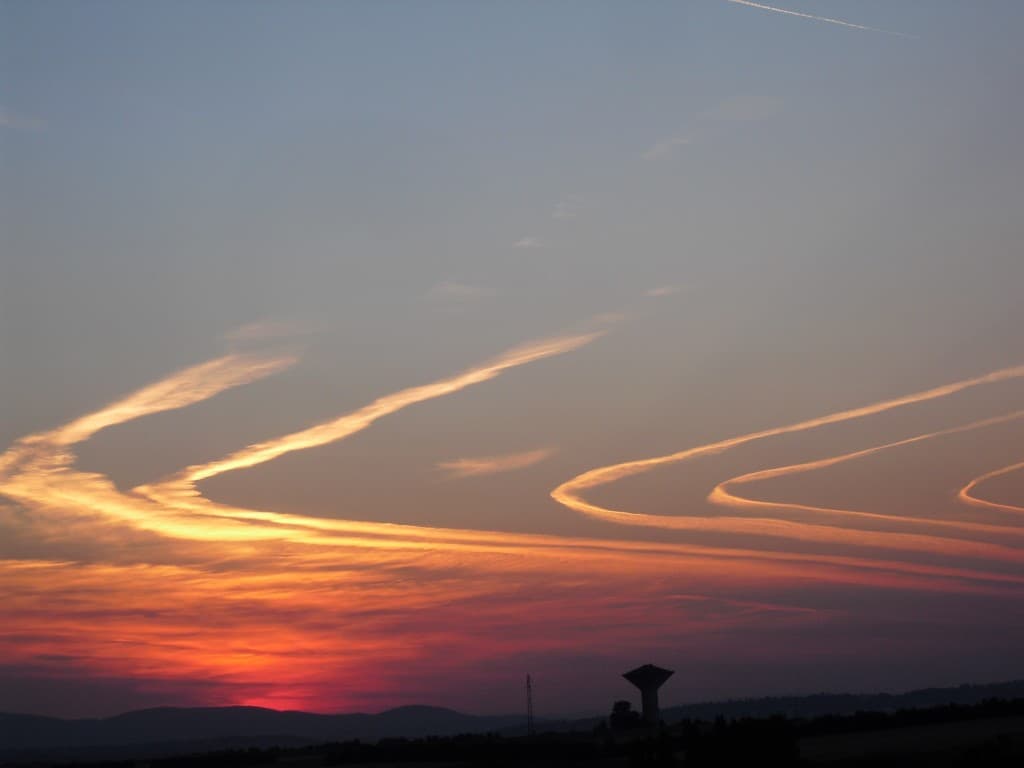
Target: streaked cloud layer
[235,565]
[774,445]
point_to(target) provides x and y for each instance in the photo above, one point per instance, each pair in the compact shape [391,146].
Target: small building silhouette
[649,679]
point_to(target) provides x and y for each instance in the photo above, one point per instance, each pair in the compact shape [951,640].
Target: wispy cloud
[608,318]
[568,207]
[18,122]
[266,330]
[455,296]
[744,109]
[453,289]
[530,242]
[665,147]
[662,290]
[492,465]
[813,17]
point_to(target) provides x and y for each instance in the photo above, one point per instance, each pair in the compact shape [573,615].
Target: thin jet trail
[180,390]
[350,423]
[569,493]
[723,496]
[825,19]
[967,493]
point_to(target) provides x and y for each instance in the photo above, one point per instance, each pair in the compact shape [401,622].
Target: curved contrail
[37,472]
[569,494]
[721,494]
[966,494]
[237,595]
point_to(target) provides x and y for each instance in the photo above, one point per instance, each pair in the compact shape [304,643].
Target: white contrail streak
[812,17]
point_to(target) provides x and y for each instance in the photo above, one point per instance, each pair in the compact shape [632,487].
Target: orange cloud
[491,465]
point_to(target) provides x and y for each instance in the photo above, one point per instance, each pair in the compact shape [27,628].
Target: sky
[362,354]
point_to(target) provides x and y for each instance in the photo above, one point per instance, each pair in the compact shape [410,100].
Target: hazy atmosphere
[358,354]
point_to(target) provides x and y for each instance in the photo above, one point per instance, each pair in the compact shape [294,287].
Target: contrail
[185,388]
[38,472]
[350,423]
[812,17]
[240,596]
[569,493]
[721,494]
[605,475]
[967,496]
[38,469]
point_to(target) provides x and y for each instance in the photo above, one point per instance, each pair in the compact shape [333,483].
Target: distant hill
[170,730]
[820,704]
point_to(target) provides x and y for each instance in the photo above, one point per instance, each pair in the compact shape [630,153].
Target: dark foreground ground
[986,734]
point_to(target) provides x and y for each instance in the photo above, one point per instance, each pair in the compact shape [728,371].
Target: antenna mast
[529,706]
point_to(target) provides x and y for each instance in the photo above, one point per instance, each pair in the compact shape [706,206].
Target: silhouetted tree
[623,716]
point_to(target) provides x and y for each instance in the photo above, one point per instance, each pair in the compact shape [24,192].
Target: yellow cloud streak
[187,387]
[350,423]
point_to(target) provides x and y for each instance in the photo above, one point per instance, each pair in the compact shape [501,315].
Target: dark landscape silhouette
[966,725]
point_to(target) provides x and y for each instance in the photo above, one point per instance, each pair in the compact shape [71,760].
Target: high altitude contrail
[723,496]
[38,472]
[569,493]
[812,17]
[193,589]
[967,493]
[350,423]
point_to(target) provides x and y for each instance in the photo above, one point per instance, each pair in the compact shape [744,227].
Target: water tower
[649,679]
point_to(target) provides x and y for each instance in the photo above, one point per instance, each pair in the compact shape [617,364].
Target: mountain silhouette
[174,730]
[167,730]
[820,704]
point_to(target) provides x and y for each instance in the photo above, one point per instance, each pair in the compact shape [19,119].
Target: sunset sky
[359,354]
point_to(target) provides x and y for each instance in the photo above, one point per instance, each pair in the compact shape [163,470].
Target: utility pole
[529,706]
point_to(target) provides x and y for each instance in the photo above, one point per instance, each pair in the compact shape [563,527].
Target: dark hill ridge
[169,730]
[237,725]
[820,704]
